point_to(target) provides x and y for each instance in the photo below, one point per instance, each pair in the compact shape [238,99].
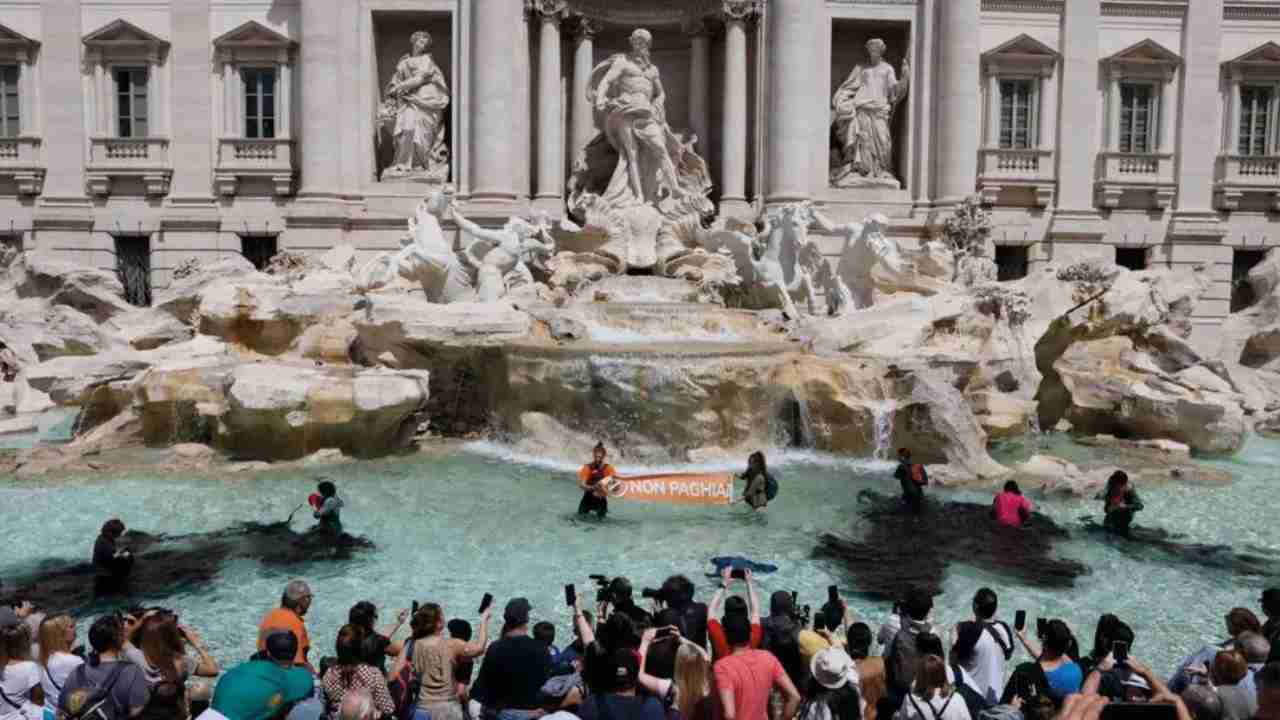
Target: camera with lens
[654,594]
[603,593]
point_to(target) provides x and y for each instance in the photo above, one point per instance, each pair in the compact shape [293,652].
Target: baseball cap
[281,645]
[517,612]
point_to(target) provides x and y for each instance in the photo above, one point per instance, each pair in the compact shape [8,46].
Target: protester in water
[111,563]
[1120,503]
[761,486]
[913,479]
[1010,508]
[329,508]
[593,479]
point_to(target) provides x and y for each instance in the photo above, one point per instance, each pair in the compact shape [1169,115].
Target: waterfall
[883,421]
[802,427]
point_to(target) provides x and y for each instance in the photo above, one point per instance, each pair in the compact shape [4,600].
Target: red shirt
[1007,508]
[720,643]
[750,674]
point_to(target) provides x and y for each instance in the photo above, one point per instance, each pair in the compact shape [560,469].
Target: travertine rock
[96,293]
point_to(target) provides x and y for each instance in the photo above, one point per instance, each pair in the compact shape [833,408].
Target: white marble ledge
[20,162]
[270,159]
[1239,175]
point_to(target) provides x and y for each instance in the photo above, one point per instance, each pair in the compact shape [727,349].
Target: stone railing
[143,159]
[269,159]
[1004,168]
[1248,174]
[1139,175]
[20,160]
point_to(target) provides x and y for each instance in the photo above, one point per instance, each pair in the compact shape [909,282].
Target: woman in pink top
[1010,508]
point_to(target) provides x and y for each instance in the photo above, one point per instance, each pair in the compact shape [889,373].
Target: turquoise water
[453,525]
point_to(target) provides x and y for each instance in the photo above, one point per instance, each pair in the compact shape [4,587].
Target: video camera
[603,593]
[655,594]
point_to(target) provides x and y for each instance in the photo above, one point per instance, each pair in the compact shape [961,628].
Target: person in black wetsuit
[111,564]
[1119,503]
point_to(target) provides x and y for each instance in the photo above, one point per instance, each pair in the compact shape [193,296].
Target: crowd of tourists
[676,659]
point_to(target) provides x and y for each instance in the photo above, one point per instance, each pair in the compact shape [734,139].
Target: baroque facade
[147,132]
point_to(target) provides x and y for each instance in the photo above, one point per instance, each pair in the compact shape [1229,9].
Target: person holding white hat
[833,693]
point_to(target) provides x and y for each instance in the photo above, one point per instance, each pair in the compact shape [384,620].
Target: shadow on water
[1154,545]
[165,564]
[901,550]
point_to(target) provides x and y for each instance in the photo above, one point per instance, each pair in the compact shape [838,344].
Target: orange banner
[679,488]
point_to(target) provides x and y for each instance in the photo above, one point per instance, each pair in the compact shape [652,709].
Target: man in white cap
[834,671]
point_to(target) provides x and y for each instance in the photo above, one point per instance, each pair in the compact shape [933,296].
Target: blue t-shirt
[1064,680]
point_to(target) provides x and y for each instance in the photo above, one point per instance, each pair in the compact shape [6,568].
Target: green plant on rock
[968,228]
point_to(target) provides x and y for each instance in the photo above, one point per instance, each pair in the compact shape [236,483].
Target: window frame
[257,70]
[7,131]
[1271,116]
[1154,118]
[116,94]
[1031,113]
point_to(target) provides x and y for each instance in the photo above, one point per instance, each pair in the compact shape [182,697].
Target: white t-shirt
[988,665]
[55,676]
[17,681]
[951,707]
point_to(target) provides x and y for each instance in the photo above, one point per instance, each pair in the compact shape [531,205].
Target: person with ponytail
[351,673]
[57,637]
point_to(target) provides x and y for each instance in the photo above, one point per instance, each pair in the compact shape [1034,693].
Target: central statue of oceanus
[638,186]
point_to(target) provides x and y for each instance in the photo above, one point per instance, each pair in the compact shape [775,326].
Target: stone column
[993,111]
[191,138]
[959,105]
[584,121]
[1196,156]
[497,71]
[733,139]
[549,189]
[1233,115]
[1113,111]
[700,82]
[284,98]
[101,99]
[156,98]
[229,124]
[794,101]
[1049,112]
[26,98]
[322,96]
[62,79]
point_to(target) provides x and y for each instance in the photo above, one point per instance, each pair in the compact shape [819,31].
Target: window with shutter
[1255,119]
[1017,128]
[259,102]
[10,125]
[131,102]
[1137,118]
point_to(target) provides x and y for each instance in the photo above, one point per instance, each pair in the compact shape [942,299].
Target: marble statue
[778,265]
[852,286]
[863,108]
[637,180]
[489,264]
[412,115]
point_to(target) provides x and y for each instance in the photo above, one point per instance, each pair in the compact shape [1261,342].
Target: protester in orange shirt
[592,479]
[294,604]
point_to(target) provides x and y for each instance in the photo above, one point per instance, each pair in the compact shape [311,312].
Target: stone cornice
[1250,11]
[1023,6]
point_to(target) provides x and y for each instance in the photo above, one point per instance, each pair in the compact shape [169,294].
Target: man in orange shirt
[294,603]
[591,478]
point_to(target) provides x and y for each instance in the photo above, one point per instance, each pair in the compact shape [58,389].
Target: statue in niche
[638,185]
[863,108]
[412,115]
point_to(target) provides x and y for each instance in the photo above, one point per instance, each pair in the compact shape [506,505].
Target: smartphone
[414,610]
[1139,711]
[665,632]
[485,603]
[570,595]
[795,599]
[1020,620]
[1120,651]
[1042,626]
[833,594]
[738,574]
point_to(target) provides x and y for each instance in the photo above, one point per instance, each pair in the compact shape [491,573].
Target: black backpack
[973,700]
[995,635]
[91,702]
[900,661]
[782,639]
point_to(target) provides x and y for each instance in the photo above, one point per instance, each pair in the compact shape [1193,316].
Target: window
[1255,119]
[1017,113]
[1137,118]
[259,102]
[131,102]
[258,249]
[1134,258]
[133,266]
[10,125]
[1242,261]
[1011,262]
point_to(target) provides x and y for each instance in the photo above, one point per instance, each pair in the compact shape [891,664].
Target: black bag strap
[995,635]
[52,682]
[5,696]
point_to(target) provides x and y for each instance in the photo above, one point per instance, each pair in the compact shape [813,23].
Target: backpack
[782,640]
[770,487]
[991,630]
[900,661]
[918,475]
[91,702]
[405,687]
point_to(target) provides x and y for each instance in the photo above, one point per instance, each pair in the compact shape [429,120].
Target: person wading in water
[592,479]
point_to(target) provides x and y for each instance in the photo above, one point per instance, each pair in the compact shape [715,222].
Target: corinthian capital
[740,9]
[583,26]
[546,8]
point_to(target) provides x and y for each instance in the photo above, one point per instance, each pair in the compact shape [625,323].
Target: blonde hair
[54,637]
[692,677]
[931,676]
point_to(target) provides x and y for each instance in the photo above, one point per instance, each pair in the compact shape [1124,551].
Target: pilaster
[320,145]
[959,101]
[192,138]
[60,70]
[1075,219]
[1197,154]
